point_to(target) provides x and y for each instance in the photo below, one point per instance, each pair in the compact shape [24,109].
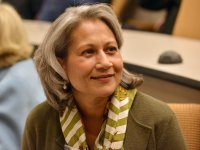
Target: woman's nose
[103,61]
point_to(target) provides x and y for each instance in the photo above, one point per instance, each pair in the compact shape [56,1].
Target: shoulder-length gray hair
[55,46]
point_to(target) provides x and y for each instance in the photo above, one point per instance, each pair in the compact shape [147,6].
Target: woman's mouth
[102,76]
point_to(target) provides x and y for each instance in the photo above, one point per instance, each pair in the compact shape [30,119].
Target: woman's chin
[105,91]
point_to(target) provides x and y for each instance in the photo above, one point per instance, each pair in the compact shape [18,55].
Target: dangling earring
[65,86]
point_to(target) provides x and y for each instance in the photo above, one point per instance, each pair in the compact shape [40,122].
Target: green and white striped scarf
[113,130]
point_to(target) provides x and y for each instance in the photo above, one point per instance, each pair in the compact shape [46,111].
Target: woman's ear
[61,61]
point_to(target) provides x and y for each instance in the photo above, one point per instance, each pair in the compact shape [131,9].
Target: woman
[20,87]
[92,102]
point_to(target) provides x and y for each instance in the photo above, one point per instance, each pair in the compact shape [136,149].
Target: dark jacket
[151,126]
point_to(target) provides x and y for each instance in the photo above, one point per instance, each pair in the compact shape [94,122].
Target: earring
[64,86]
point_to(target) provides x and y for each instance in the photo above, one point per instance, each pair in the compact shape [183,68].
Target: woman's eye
[111,50]
[88,52]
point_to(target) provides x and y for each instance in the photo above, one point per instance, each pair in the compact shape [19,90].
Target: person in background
[27,9]
[171,7]
[51,9]
[20,87]
[127,9]
[92,101]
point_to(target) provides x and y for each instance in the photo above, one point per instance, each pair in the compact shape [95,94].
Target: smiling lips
[102,76]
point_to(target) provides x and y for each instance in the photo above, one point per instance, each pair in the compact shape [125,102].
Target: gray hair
[55,46]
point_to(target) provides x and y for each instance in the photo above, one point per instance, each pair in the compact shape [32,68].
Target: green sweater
[151,126]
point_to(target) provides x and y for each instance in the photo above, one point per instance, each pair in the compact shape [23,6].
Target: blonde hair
[55,46]
[14,45]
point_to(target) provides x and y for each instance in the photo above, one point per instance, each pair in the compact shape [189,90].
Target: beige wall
[188,19]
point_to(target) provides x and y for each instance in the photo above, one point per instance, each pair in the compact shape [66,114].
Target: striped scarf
[113,130]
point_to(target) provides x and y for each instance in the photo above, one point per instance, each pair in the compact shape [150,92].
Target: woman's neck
[92,113]
[91,108]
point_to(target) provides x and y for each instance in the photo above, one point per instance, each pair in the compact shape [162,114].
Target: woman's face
[94,63]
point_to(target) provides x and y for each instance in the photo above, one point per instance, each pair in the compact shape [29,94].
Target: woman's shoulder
[149,109]
[23,70]
[24,67]
[42,119]
[22,79]
[41,113]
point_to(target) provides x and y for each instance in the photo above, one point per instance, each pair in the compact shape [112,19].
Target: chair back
[188,116]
